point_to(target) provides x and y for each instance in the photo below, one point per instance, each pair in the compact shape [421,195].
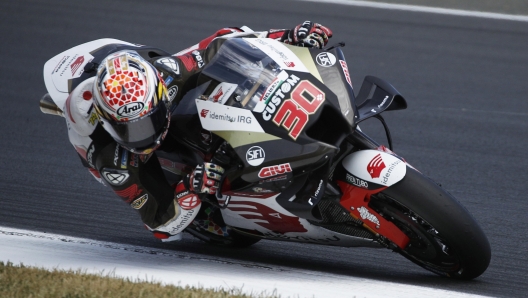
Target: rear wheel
[444,237]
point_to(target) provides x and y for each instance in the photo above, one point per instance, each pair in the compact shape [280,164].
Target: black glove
[206,178]
[308,34]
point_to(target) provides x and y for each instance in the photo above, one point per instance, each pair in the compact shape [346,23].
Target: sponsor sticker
[365,214]
[270,91]
[116,154]
[130,110]
[271,171]
[387,174]
[76,64]
[375,166]
[255,156]
[89,155]
[261,190]
[69,67]
[222,92]
[189,202]
[139,202]
[274,179]
[280,93]
[172,92]
[198,58]
[134,160]
[60,64]
[124,158]
[215,117]
[168,80]
[93,118]
[356,181]
[293,114]
[345,71]
[279,52]
[325,59]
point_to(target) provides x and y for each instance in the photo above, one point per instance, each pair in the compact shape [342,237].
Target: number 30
[306,98]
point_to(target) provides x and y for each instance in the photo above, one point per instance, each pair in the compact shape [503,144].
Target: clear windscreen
[240,74]
[243,75]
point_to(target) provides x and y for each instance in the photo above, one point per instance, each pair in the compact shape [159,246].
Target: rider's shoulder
[78,108]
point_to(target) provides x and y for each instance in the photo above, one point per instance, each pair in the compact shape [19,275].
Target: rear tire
[444,237]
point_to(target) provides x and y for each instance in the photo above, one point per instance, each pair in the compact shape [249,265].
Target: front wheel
[444,237]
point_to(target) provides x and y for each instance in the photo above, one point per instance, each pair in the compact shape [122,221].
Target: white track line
[406,7]
[171,266]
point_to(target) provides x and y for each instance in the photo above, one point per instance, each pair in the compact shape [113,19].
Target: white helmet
[132,102]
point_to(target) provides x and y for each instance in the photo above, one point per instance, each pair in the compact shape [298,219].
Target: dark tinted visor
[139,133]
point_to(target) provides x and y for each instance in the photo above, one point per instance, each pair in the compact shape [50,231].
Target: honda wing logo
[375,166]
[216,97]
[204,112]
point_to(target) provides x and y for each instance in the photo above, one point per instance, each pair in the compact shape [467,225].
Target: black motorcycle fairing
[185,124]
[336,77]
[286,103]
[278,152]
[295,156]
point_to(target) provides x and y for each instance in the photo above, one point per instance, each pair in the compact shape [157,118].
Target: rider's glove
[308,34]
[206,178]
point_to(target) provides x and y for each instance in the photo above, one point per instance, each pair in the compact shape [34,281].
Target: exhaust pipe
[47,106]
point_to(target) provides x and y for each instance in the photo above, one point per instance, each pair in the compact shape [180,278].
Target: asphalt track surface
[466,126]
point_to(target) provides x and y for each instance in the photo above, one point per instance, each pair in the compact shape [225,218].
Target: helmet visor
[142,133]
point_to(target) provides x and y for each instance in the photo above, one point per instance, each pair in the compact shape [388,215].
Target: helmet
[131,100]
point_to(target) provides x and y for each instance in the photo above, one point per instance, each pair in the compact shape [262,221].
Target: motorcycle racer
[119,118]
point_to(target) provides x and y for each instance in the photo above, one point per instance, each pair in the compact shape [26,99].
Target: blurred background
[466,126]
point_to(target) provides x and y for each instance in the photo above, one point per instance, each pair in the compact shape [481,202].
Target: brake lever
[218,193]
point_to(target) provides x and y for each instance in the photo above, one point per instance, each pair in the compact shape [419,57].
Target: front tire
[444,237]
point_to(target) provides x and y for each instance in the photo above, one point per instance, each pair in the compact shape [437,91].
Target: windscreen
[242,74]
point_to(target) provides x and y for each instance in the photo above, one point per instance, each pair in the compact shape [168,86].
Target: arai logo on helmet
[131,109]
[255,156]
[325,59]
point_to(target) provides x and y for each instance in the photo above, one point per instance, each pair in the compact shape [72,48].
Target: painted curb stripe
[437,10]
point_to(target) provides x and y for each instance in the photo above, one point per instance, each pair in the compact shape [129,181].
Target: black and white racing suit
[166,209]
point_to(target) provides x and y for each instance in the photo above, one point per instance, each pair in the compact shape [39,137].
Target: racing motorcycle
[283,122]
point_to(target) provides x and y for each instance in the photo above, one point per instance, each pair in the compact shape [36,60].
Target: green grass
[22,281]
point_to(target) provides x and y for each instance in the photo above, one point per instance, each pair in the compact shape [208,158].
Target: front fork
[365,173]
[356,201]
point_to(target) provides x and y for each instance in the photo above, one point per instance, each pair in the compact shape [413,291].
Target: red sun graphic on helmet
[131,101]
[127,86]
[124,86]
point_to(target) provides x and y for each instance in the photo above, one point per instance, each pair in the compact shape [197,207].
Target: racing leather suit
[166,208]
